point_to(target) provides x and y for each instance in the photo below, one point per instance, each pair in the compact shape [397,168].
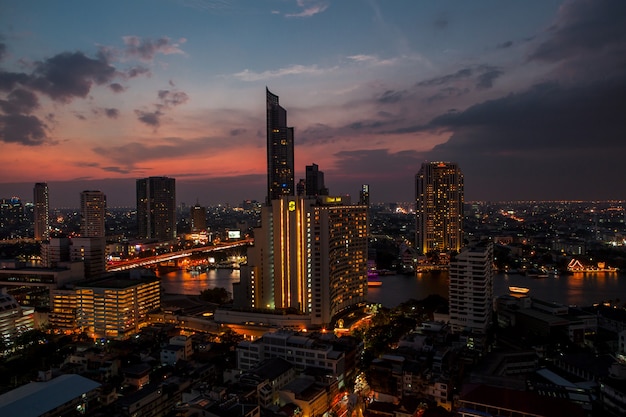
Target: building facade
[280,150]
[117,306]
[471,289]
[314,181]
[198,218]
[92,213]
[439,207]
[156,208]
[41,211]
[309,256]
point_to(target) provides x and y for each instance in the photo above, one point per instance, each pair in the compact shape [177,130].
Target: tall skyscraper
[314,181]
[156,208]
[41,211]
[471,289]
[280,146]
[439,207]
[308,255]
[92,213]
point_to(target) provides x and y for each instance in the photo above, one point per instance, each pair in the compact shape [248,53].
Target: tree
[215,295]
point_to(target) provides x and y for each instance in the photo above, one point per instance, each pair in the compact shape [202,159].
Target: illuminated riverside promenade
[165,257]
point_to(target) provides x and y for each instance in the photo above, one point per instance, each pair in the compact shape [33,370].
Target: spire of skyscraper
[280,150]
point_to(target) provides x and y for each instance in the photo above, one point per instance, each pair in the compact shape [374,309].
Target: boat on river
[519,290]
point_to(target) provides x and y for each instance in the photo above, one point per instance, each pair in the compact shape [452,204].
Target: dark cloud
[3,51]
[548,138]
[585,28]
[137,71]
[118,170]
[483,77]
[172,98]
[80,116]
[166,100]
[445,79]
[117,87]
[19,101]
[150,118]
[112,113]
[8,80]
[24,129]
[392,96]
[69,75]
[237,132]
[486,79]
[146,49]
[505,45]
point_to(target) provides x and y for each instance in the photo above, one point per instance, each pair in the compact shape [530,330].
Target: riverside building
[439,207]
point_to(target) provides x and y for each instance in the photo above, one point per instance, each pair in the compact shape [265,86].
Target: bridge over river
[171,256]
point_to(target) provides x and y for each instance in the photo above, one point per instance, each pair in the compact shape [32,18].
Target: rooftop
[37,398]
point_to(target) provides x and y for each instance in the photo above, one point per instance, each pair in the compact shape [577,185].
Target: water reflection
[581,289]
[183,282]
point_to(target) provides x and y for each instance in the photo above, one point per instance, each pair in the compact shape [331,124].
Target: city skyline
[526,97]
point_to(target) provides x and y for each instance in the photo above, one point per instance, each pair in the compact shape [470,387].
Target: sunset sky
[529,97]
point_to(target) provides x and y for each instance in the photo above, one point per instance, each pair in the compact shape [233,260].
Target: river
[580,289]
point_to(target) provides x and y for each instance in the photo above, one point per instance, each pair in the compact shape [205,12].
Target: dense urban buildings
[439,207]
[93,213]
[280,150]
[41,211]
[156,208]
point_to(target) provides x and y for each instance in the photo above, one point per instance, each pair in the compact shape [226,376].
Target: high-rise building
[471,289]
[41,211]
[92,213]
[156,208]
[364,195]
[308,256]
[439,207]
[198,218]
[314,180]
[280,150]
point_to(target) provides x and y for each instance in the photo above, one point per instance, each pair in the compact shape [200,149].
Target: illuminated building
[14,319]
[439,207]
[198,218]
[471,289]
[308,256]
[11,213]
[280,146]
[32,286]
[63,309]
[156,208]
[92,212]
[117,307]
[41,211]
